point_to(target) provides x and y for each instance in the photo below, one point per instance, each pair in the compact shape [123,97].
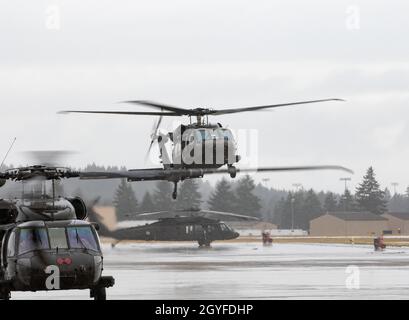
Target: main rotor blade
[245,109]
[301,168]
[142,113]
[193,213]
[179,111]
[224,215]
[53,158]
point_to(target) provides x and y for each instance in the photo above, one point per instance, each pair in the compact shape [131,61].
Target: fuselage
[204,146]
[42,240]
[199,229]
[35,250]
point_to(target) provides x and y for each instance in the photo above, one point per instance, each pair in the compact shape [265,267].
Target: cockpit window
[58,238]
[32,239]
[202,135]
[227,135]
[82,237]
[224,134]
[225,227]
[11,247]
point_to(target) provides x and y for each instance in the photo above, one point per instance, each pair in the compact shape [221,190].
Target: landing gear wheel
[232,171]
[203,243]
[5,294]
[99,293]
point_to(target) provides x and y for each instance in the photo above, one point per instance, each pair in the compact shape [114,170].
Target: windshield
[202,135]
[58,238]
[32,239]
[82,237]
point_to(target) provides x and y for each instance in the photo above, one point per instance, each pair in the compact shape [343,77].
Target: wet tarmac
[249,271]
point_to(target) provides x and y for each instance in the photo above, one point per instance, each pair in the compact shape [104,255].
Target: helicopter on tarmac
[42,234]
[198,148]
[203,226]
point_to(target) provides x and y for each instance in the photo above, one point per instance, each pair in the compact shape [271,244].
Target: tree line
[243,196]
[229,195]
[225,198]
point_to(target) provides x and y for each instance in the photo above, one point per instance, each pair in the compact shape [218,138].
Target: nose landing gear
[232,171]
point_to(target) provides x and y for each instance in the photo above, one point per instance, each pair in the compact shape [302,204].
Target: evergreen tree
[330,202]
[387,195]
[222,198]
[288,212]
[311,209]
[247,203]
[407,199]
[125,202]
[189,196]
[347,202]
[162,196]
[147,204]
[369,196]
[398,203]
[280,214]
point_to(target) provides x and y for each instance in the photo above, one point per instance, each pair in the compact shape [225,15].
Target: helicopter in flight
[198,148]
[44,235]
[203,226]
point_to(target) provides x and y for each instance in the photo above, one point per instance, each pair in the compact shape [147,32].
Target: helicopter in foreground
[203,226]
[46,244]
[198,148]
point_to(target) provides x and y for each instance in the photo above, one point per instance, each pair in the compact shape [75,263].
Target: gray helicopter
[194,142]
[46,244]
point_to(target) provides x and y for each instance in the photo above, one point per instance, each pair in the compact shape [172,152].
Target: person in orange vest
[266,238]
[379,243]
[382,243]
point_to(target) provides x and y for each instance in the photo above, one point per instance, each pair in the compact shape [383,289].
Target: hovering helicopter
[198,148]
[203,226]
[40,231]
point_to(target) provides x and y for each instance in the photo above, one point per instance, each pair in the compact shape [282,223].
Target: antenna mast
[8,151]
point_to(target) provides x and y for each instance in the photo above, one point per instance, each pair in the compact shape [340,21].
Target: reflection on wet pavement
[247,271]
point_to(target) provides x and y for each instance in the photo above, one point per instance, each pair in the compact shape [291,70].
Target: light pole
[345,192]
[298,186]
[345,180]
[292,214]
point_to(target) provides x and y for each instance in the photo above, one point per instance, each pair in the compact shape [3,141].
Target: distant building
[398,222]
[348,224]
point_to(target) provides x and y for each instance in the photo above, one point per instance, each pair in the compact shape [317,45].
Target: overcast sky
[57,55]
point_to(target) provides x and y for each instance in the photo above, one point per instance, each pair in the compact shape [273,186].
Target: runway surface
[249,271]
